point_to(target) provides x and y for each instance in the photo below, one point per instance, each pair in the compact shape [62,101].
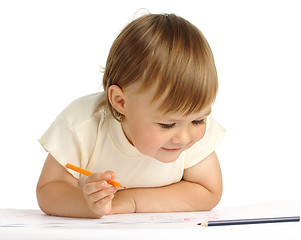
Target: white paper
[36,218]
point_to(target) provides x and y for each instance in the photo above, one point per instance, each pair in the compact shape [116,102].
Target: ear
[116,98]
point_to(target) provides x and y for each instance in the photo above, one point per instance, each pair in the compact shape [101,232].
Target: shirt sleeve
[200,150]
[61,141]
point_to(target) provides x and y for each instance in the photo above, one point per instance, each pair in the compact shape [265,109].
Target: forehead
[145,99]
[137,96]
[178,116]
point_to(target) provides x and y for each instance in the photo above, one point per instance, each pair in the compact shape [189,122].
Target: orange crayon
[88,173]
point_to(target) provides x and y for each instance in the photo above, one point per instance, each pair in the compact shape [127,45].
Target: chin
[169,159]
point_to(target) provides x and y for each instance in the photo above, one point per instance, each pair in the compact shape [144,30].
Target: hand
[98,193]
[124,202]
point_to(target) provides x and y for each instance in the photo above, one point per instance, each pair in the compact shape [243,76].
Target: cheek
[148,140]
[200,133]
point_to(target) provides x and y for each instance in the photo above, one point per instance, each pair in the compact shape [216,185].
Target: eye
[198,122]
[167,126]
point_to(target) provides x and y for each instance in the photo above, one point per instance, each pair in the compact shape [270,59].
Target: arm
[58,192]
[200,189]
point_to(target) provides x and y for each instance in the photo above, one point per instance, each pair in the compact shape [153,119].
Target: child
[150,130]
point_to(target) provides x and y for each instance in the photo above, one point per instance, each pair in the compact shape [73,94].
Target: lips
[172,149]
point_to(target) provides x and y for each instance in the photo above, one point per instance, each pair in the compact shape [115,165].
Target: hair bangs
[182,68]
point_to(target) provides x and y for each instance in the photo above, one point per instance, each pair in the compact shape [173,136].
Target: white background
[50,53]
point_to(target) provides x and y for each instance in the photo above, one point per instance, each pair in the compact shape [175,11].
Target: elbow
[214,200]
[215,195]
[45,200]
[40,200]
[210,200]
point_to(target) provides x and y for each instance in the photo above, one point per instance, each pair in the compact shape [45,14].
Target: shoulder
[215,132]
[83,109]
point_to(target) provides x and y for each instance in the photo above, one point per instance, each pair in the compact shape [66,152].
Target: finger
[98,196]
[104,201]
[112,174]
[93,187]
[95,177]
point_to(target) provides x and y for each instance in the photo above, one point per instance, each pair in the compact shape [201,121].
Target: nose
[181,137]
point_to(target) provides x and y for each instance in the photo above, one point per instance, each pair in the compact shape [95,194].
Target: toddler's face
[163,137]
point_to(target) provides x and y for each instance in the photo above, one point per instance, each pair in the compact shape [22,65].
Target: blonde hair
[167,52]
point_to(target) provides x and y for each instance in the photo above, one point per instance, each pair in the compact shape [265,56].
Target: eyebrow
[207,113]
[199,118]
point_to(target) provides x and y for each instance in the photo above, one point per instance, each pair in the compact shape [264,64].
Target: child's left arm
[199,190]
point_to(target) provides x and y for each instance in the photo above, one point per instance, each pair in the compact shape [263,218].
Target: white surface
[50,52]
[32,224]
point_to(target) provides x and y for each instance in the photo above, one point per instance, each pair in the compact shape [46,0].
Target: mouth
[171,150]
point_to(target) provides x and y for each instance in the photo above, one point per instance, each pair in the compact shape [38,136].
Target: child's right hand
[98,193]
